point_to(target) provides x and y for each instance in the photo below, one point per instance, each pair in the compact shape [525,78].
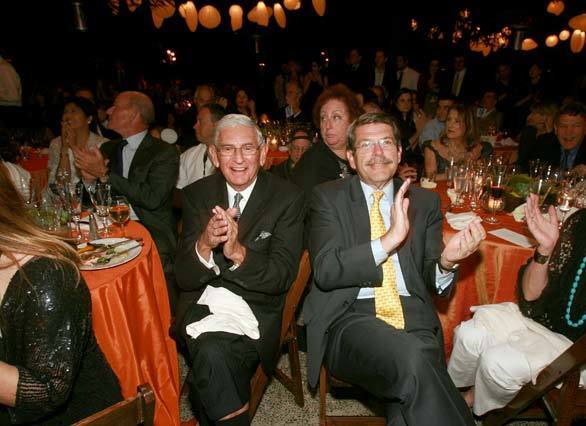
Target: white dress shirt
[191,166]
[442,279]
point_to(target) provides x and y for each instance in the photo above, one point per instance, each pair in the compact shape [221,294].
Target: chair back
[295,292]
[138,410]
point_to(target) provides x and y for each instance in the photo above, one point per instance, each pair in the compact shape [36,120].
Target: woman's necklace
[454,152]
[573,291]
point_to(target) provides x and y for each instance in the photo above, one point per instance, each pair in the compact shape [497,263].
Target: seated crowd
[374,239]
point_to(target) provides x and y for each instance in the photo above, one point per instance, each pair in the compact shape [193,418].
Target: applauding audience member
[505,346]
[52,370]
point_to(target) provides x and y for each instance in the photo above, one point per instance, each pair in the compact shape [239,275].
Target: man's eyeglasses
[248,150]
[385,144]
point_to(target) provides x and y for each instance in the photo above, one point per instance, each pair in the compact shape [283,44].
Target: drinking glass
[450,174]
[74,194]
[541,186]
[565,200]
[495,200]
[459,177]
[534,168]
[478,181]
[120,211]
[102,200]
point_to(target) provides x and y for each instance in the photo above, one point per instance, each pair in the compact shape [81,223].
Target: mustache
[379,160]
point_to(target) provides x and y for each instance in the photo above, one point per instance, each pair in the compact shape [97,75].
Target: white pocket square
[263,235]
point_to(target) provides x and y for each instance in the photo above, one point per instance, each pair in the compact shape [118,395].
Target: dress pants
[222,365]
[403,367]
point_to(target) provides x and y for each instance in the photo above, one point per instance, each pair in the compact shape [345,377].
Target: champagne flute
[459,176]
[102,200]
[120,211]
[74,194]
[478,181]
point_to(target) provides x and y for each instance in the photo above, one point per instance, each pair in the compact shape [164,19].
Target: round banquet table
[488,276]
[131,319]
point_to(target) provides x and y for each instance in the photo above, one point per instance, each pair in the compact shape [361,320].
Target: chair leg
[567,396]
[295,366]
[257,387]
[323,390]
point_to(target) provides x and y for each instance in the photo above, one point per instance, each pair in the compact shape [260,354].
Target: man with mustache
[567,148]
[375,253]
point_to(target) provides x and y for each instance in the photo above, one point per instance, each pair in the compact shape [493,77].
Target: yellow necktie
[386,297]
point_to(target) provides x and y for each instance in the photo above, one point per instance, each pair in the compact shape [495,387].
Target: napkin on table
[459,221]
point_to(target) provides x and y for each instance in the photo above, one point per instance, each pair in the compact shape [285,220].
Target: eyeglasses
[385,144]
[246,150]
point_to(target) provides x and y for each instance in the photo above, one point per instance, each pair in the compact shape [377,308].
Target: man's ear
[264,148]
[213,153]
[351,158]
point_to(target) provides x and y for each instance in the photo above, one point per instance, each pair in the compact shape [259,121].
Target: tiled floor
[278,407]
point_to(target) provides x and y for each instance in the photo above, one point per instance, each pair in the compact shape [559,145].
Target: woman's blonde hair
[20,235]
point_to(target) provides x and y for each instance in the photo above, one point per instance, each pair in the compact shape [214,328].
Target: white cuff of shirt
[442,279]
[210,263]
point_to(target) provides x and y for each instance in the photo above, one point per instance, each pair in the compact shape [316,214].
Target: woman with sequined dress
[505,346]
[52,371]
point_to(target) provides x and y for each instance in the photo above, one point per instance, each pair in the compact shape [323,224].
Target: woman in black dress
[52,370]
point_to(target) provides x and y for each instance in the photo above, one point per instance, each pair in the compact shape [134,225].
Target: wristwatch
[445,270]
[540,258]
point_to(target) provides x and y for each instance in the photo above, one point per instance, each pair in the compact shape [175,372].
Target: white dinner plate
[116,261]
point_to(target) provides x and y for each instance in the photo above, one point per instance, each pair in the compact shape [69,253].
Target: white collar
[245,194]
[135,140]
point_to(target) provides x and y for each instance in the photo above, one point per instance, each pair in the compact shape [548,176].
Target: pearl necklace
[573,290]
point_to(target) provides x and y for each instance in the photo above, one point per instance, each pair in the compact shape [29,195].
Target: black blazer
[549,150]
[342,260]
[149,187]
[262,280]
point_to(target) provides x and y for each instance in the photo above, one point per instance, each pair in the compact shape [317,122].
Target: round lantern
[209,17]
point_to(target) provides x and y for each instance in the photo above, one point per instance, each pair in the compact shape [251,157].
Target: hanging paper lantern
[577,41]
[189,13]
[578,22]
[319,6]
[280,16]
[161,11]
[292,4]
[556,7]
[209,17]
[551,40]
[564,35]
[262,14]
[133,4]
[235,13]
[528,44]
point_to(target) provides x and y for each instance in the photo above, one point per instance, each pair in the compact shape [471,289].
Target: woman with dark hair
[52,371]
[460,141]
[78,126]
[244,104]
[410,124]
[333,112]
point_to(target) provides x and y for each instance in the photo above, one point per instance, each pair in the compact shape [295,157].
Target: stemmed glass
[497,188]
[120,211]
[478,181]
[102,200]
[565,200]
[74,195]
[540,186]
[460,173]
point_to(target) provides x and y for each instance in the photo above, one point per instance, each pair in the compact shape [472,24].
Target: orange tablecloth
[275,157]
[488,276]
[131,320]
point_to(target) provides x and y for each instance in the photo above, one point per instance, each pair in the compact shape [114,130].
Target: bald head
[131,113]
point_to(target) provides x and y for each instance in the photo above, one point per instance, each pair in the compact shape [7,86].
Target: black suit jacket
[469,88]
[342,260]
[149,187]
[262,280]
[549,150]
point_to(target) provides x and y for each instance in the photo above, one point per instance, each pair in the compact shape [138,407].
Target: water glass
[101,198]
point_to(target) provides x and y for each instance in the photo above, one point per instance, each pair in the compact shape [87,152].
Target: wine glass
[102,200]
[540,186]
[74,194]
[565,201]
[495,200]
[478,181]
[120,211]
[459,176]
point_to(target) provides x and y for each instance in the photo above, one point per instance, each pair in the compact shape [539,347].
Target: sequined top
[46,326]
[550,309]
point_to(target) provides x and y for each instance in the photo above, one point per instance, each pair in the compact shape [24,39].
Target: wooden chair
[559,405]
[288,337]
[326,382]
[138,410]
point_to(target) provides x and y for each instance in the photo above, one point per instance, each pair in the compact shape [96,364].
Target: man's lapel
[142,155]
[254,206]
[359,211]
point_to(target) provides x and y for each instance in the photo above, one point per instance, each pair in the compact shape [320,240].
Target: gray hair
[372,118]
[236,120]
[144,105]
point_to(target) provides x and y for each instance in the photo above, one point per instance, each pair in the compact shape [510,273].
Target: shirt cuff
[210,263]
[378,252]
[442,279]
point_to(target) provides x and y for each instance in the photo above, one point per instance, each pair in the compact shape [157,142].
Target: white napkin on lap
[459,221]
[427,184]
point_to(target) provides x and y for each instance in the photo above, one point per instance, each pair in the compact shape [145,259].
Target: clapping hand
[463,244]
[222,228]
[399,220]
[546,232]
[91,162]
[407,172]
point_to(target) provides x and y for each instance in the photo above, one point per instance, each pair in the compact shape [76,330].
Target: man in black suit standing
[463,85]
[369,315]
[142,168]
[240,251]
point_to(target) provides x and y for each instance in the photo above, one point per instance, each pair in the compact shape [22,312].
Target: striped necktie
[236,205]
[386,297]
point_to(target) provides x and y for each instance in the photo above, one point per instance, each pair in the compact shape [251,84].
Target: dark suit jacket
[262,280]
[342,260]
[149,187]
[284,170]
[549,150]
[468,88]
